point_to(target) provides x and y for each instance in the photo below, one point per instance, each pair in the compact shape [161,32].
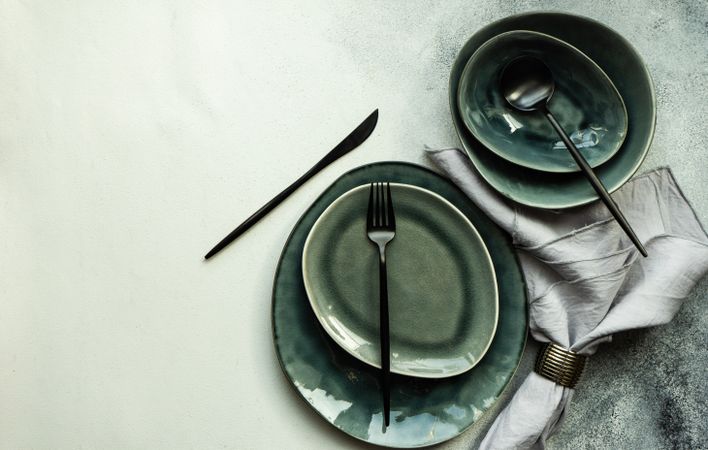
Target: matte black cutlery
[352,141]
[381,229]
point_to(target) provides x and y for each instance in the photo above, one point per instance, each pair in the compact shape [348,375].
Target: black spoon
[527,84]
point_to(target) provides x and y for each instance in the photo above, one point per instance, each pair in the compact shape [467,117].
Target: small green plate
[620,62]
[344,390]
[442,292]
[585,102]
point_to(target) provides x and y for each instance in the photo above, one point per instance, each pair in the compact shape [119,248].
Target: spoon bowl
[527,83]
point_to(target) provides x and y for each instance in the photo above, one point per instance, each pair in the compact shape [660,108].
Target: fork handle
[385,343]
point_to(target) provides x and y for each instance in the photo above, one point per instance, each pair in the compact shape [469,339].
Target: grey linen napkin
[585,280]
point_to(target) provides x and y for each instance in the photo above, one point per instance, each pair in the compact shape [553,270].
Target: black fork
[381,229]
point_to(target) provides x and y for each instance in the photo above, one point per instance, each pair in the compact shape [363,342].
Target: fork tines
[380,213]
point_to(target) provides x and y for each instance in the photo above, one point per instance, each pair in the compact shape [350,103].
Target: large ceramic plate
[585,102]
[344,390]
[624,67]
[442,292]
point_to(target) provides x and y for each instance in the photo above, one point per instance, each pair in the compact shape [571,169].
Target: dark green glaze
[624,67]
[585,102]
[442,292]
[344,390]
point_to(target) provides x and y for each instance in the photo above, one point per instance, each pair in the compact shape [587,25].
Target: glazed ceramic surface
[624,67]
[442,291]
[344,390]
[585,102]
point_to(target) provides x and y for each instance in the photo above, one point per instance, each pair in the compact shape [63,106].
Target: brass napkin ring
[560,365]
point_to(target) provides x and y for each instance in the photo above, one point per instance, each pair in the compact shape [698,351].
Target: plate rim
[485,142]
[487,261]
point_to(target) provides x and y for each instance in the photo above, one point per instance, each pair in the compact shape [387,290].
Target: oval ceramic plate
[619,61]
[585,102]
[344,390]
[442,292]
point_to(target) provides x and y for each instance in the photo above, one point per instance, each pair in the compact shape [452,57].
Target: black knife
[355,138]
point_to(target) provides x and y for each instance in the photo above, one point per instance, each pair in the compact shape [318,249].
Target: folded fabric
[585,279]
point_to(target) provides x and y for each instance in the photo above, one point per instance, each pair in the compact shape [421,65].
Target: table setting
[472,229]
[421,361]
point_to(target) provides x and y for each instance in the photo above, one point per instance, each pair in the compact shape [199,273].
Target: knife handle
[265,209]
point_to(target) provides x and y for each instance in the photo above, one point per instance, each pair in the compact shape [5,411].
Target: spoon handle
[595,182]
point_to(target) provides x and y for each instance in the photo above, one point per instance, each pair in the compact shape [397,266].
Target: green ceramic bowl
[346,391]
[442,291]
[619,61]
[585,102]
